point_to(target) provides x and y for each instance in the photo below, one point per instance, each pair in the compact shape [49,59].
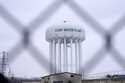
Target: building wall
[84,81]
[103,81]
[87,81]
[30,81]
[62,78]
[15,80]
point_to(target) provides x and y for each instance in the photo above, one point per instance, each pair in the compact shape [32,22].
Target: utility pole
[3,62]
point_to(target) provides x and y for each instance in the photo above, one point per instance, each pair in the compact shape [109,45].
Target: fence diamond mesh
[26,34]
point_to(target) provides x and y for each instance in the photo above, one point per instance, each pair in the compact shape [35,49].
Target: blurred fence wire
[27,31]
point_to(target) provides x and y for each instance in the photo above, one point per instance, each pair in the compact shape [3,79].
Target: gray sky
[105,12]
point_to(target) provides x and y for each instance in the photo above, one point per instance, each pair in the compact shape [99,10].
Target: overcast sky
[106,12]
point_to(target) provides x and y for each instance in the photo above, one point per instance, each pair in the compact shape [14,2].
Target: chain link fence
[26,33]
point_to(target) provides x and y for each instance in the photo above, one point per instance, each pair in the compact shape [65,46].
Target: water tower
[65,47]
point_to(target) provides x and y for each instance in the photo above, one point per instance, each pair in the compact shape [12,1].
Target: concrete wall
[103,81]
[30,82]
[88,81]
[84,81]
